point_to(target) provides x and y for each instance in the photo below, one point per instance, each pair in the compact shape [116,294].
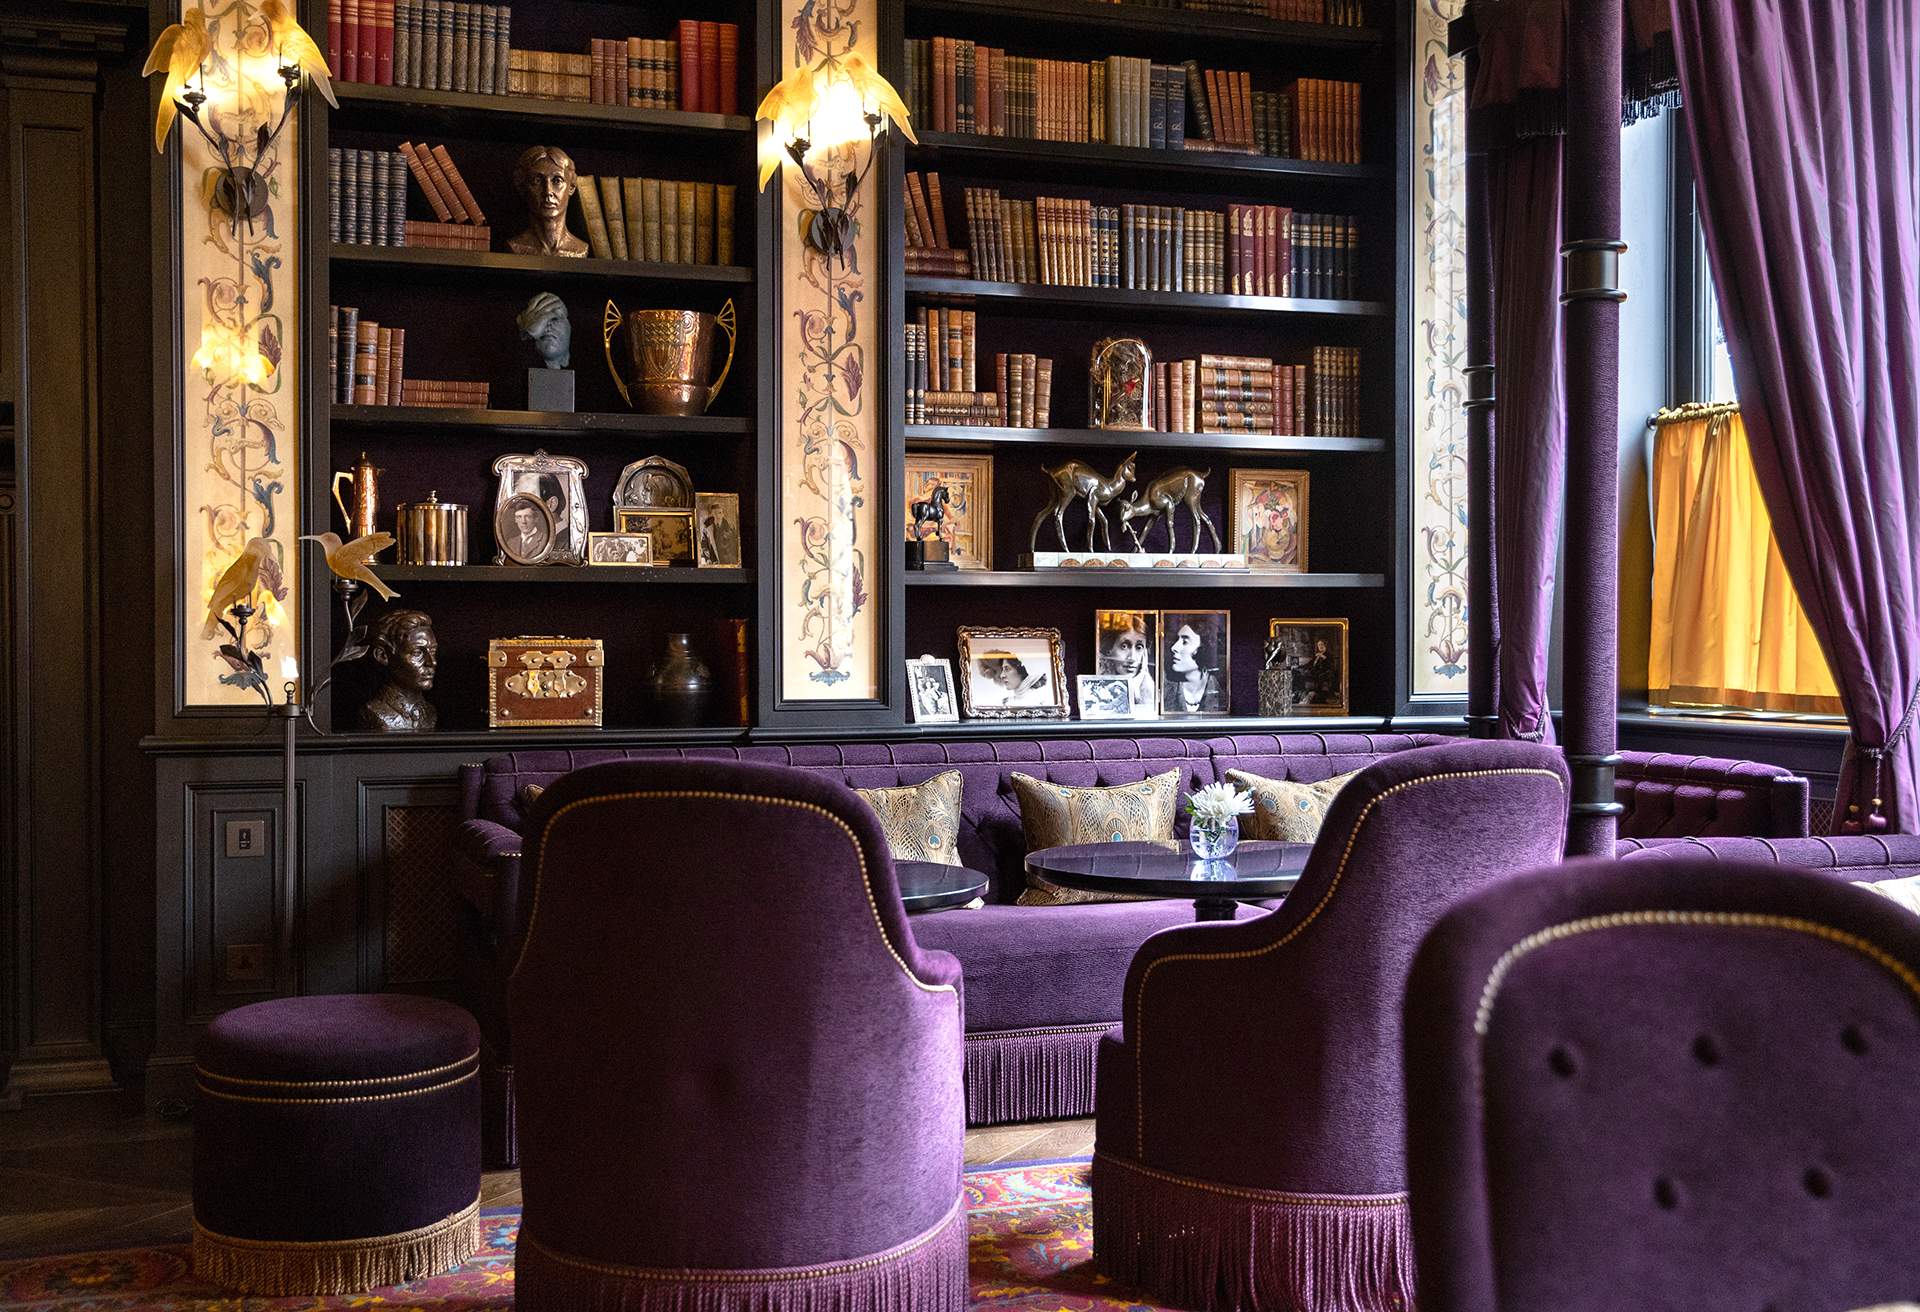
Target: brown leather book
[428,187]
[467,202]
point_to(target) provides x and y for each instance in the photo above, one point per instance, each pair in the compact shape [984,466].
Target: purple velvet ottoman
[336,1144]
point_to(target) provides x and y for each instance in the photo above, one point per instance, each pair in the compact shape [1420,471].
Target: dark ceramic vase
[681,684]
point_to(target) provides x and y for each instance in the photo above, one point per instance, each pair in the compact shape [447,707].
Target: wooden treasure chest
[544,682]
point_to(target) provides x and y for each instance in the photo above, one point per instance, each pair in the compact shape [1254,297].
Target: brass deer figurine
[1179,487]
[1078,481]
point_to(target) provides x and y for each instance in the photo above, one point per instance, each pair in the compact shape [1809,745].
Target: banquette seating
[1043,984]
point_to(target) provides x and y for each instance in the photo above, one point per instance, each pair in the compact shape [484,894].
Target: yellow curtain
[1727,627]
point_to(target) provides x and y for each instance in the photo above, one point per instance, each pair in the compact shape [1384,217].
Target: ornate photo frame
[558,481]
[1013,674]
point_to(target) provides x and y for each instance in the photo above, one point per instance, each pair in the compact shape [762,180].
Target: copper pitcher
[364,479]
[670,353]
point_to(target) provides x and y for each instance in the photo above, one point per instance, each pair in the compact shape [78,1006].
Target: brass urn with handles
[669,355]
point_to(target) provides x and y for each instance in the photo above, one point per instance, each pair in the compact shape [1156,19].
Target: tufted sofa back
[1671,796]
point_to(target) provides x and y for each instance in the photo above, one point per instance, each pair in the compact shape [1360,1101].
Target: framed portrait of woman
[1196,674]
[1124,643]
[1013,674]
[1267,517]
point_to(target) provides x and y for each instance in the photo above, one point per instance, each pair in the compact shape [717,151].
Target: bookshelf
[458,307]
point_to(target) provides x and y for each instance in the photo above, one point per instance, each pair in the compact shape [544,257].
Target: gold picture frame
[716,530]
[967,527]
[1293,673]
[1013,674]
[1277,498]
[621,550]
[671,530]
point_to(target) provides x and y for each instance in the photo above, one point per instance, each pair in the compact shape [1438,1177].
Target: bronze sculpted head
[545,178]
[402,643]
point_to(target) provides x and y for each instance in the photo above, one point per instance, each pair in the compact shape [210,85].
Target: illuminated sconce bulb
[229,357]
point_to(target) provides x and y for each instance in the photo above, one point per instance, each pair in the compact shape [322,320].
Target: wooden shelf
[1134,578]
[1143,20]
[1034,299]
[374,417]
[619,575]
[1050,155]
[418,104]
[961,435]
[546,266]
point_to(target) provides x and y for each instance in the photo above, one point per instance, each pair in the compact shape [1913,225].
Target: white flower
[1216,804]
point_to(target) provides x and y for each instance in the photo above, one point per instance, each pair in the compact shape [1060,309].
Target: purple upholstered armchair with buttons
[739,1080]
[1250,1141]
[1685,1083]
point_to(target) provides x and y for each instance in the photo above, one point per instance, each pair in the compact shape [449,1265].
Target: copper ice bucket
[669,354]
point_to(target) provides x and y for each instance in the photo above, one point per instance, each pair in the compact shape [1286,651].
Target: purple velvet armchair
[1249,1142]
[739,1079]
[1674,1084]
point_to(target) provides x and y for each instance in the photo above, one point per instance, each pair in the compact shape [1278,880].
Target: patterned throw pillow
[1055,815]
[1902,892]
[529,794]
[1286,811]
[921,821]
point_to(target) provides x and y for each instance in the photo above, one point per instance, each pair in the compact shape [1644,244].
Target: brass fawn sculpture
[1078,481]
[1179,487]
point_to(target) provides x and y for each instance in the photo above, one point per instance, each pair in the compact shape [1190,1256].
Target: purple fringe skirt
[928,1273]
[1196,1244]
[1031,1075]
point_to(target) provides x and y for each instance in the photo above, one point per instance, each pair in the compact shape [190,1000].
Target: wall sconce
[182,54]
[836,102]
[230,357]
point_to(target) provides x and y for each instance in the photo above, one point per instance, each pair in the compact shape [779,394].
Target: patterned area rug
[1031,1251]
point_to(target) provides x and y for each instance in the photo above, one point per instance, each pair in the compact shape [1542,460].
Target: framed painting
[961,487]
[1267,517]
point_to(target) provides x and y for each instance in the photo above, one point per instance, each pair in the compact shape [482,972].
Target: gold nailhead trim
[1040,1032]
[202,1073]
[749,1277]
[688,794]
[1346,854]
[329,1102]
[1256,1195]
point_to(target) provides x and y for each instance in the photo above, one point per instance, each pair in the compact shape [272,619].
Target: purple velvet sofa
[1042,983]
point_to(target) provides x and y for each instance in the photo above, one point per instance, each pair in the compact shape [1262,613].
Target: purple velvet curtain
[1802,115]
[1529,423]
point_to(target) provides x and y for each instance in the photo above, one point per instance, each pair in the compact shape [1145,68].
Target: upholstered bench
[336,1144]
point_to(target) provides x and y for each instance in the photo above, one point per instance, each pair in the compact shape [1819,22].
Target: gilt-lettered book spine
[366,358]
[333,194]
[363,187]
[333,351]
[1043,393]
[396,368]
[349,334]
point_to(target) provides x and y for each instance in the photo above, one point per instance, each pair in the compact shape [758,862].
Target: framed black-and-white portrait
[1013,674]
[671,531]
[716,530]
[1124,643]
[930,691]
[1105,697]
[619,548]
[1196,673]
[1303,670]
[523,529]
[559,483]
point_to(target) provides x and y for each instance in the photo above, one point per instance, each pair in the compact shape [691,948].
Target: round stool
[336,1144]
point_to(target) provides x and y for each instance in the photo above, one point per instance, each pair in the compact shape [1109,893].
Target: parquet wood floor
[97,1171]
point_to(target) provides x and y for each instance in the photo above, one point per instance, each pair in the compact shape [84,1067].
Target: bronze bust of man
[545,178]
[402,643]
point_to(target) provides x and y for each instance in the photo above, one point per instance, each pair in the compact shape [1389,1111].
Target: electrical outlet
[246,838]
[246,962]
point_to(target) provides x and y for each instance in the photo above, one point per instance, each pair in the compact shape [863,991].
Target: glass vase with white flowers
[1214,812]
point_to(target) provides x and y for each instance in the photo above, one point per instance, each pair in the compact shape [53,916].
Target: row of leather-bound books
[367,198]
[1022,396]
[959,86]
[366,365]
[658,220]
[442,45]
[1257,395]
[1333,13]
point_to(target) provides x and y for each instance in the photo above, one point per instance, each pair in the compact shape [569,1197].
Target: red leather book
[1262,266]
[336,19]
[383,42]
[710,66]
[349,64]
[690,65]
[367,40]
[730,74]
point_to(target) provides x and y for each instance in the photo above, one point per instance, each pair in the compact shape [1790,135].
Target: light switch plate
[246,838]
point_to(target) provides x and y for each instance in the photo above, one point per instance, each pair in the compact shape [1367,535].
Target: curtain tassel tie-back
[1875,820]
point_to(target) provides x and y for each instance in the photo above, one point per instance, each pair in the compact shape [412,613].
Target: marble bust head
[544,323]
[545,178]
[402,643]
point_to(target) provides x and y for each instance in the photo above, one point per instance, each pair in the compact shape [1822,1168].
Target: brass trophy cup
[670,353]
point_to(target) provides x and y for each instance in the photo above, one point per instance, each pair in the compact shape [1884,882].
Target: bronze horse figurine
[1179,487]
[1078,481]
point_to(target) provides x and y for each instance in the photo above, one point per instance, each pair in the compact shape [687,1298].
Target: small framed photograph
[523,527]
[1303,670]
[1196,671]
[1267,517]
[930,691]
[1012,674]
[960,489]
[620,549]
[1125,644]
[558,483]
[671,531]
[716,523]
[1105,697]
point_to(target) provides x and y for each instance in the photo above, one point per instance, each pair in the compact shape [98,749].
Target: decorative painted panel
[830,430]
[239,387]
[1439,467]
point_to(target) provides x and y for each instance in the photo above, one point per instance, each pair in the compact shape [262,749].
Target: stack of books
[928,250]
[366,197]
[365,361]
[441,45]
[697,71]
[1255,395]
[459,223]
[658,220]
[942,353]
[444,395]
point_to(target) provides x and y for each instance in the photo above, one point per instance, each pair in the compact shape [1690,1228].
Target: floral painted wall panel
[1439,481]
[239,385]
[829,423]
